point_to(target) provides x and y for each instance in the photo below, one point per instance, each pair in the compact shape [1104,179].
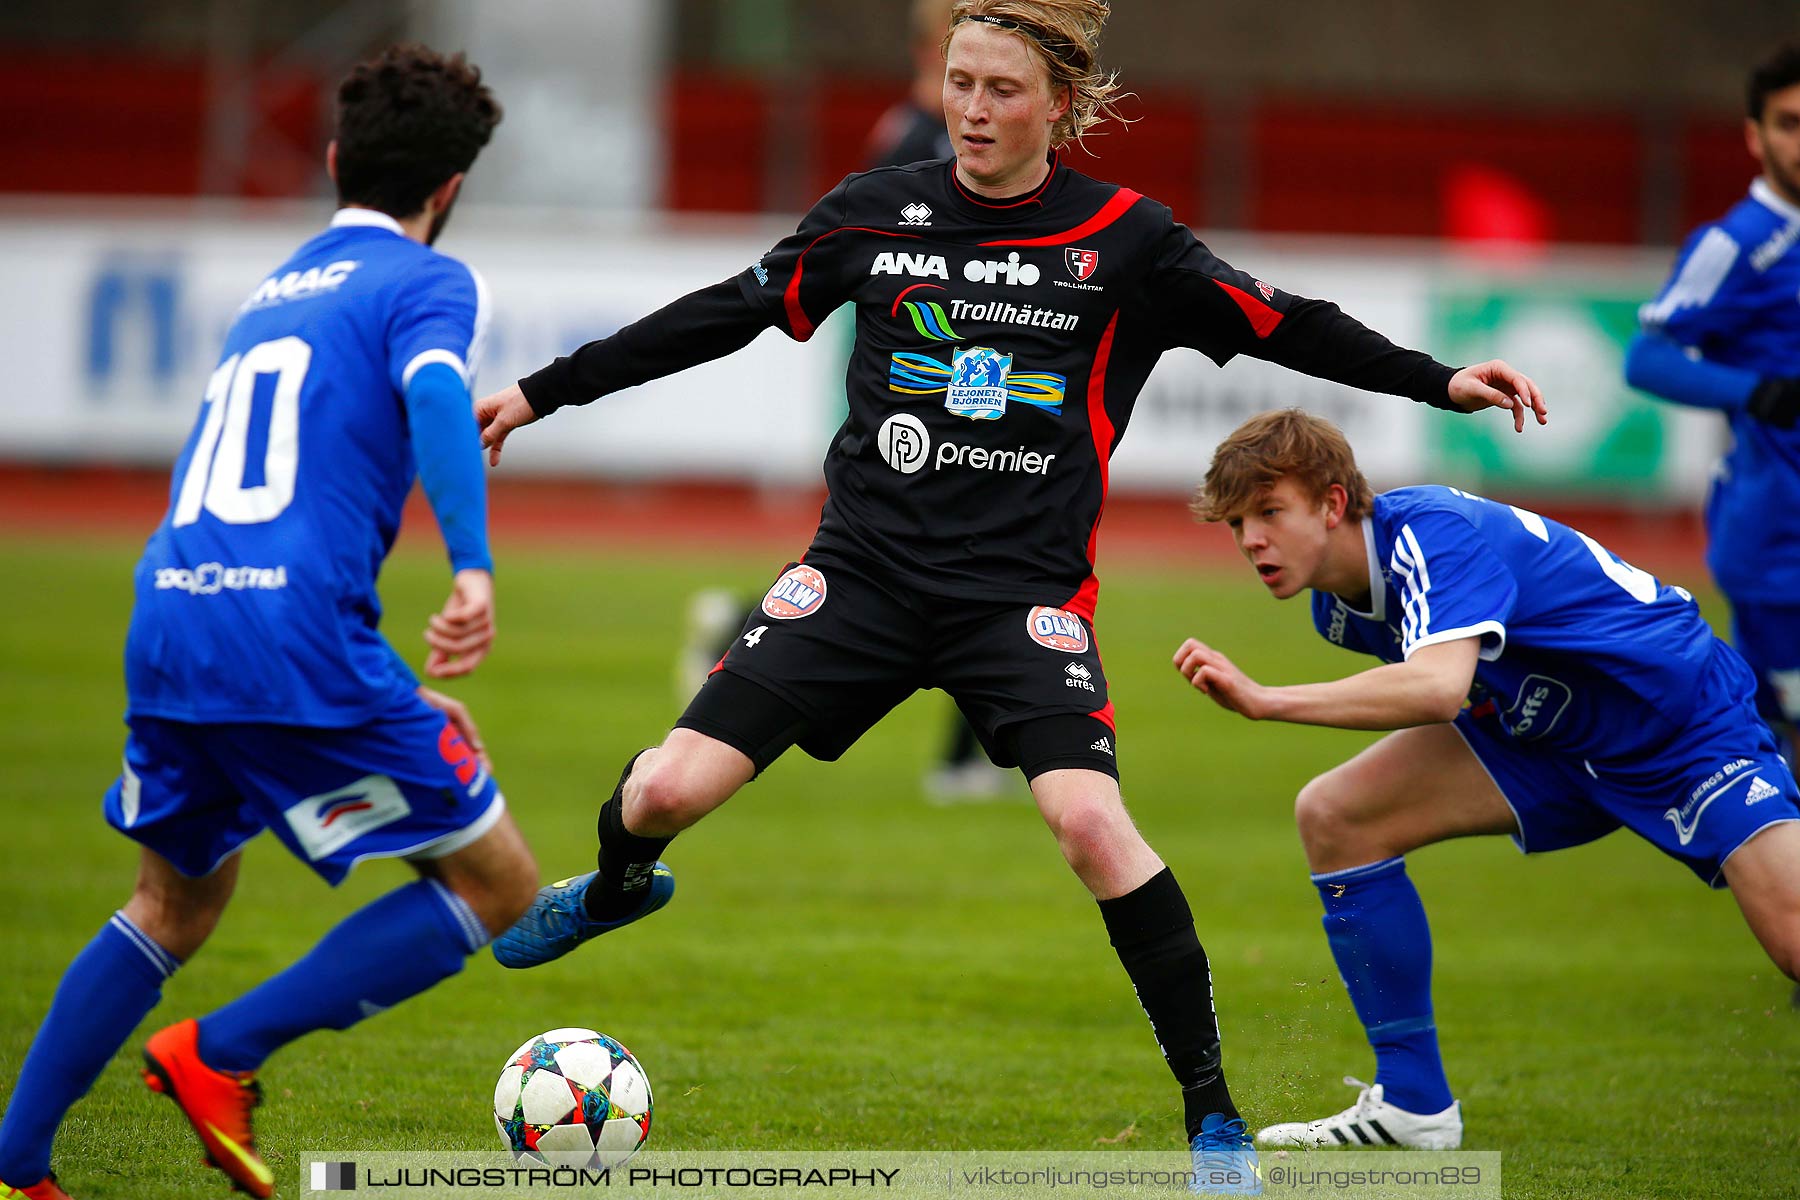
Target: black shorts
[836,646]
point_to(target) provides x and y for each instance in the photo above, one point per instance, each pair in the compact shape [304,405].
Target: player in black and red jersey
[1008,310]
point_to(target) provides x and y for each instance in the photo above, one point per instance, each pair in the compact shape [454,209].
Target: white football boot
[1371,1121]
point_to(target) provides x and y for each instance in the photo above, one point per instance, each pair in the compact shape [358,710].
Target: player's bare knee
[1089,828]
[1322,815]
[662,796]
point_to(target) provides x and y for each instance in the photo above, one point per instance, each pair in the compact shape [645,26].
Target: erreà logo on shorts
[798,593]
[1057,629]
[906,446]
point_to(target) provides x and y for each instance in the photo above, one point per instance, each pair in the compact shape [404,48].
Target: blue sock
[381,954]
[115,980]
[1382,943]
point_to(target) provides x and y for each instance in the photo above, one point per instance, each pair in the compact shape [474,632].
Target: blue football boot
[1225,1162]
[557,920]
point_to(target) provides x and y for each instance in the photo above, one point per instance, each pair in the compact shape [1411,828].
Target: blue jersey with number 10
[256,595]
[1581,654]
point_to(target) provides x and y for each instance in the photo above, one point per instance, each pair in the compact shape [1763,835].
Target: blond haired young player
[1539,688]
[1008,310]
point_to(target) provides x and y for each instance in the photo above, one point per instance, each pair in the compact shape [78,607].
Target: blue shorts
[1697,801]
[1768,638]
[404,785]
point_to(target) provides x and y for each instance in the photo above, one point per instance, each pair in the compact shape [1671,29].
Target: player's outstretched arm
[1498,384]
[498,415]
[699,327]
[1426,689]
[462,632]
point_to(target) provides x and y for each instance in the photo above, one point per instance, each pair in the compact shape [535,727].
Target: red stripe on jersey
[1101,426]
[799,324]
[895,311]
[1263,319]
[1109,212]
[1106,715]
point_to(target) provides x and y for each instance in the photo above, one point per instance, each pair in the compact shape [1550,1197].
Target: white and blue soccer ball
[573,1098]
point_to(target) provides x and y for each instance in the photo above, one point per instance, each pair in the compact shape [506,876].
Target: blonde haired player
[1008,311]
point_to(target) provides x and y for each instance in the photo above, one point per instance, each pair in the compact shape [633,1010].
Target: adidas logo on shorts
[1760,789]
[1104,746]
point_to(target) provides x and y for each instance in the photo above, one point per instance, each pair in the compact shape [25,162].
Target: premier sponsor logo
[919,266]
[1057,629]
[1018,460]
[798,593]
[906,446]
[1013,272]
[209,579]
[903,443]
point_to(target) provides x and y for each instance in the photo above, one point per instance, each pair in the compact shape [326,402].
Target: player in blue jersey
[1538,686]
[261,694]
[1725,334]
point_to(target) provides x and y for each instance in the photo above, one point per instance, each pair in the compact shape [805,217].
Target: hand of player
[1776,401]
[461,719]
[1496,384]
[1214,675]
[461,632]
[498,415]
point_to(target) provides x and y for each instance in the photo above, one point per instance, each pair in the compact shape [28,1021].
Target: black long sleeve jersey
[1000,347]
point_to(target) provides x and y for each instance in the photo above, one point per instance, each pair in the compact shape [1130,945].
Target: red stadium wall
[104,124]
[128,125]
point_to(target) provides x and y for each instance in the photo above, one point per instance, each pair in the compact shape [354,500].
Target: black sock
[626,860]
[1152,929]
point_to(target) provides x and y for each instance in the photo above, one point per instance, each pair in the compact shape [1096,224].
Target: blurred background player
[1597,698]
[913,130]
[261,694]
[957,546]
[1724,333]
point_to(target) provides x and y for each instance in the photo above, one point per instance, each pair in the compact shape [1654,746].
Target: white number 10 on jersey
[215,475]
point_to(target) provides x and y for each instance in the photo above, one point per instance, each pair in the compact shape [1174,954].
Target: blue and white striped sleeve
[1451,584]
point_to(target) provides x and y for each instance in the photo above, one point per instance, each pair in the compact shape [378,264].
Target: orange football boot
[216,1103]
[44,1189]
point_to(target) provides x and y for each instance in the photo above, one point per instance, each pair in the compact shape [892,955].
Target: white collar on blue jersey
[1774,201]
[1377,585]
[365,216]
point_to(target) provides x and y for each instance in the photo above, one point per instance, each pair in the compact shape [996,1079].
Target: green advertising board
[1605,440]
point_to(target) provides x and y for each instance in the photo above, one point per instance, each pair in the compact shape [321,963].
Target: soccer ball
[573,1098]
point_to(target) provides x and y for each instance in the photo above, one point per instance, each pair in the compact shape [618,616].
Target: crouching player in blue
[1539,688]
[261,694]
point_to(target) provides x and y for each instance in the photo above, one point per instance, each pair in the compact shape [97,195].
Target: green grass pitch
[846,967]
